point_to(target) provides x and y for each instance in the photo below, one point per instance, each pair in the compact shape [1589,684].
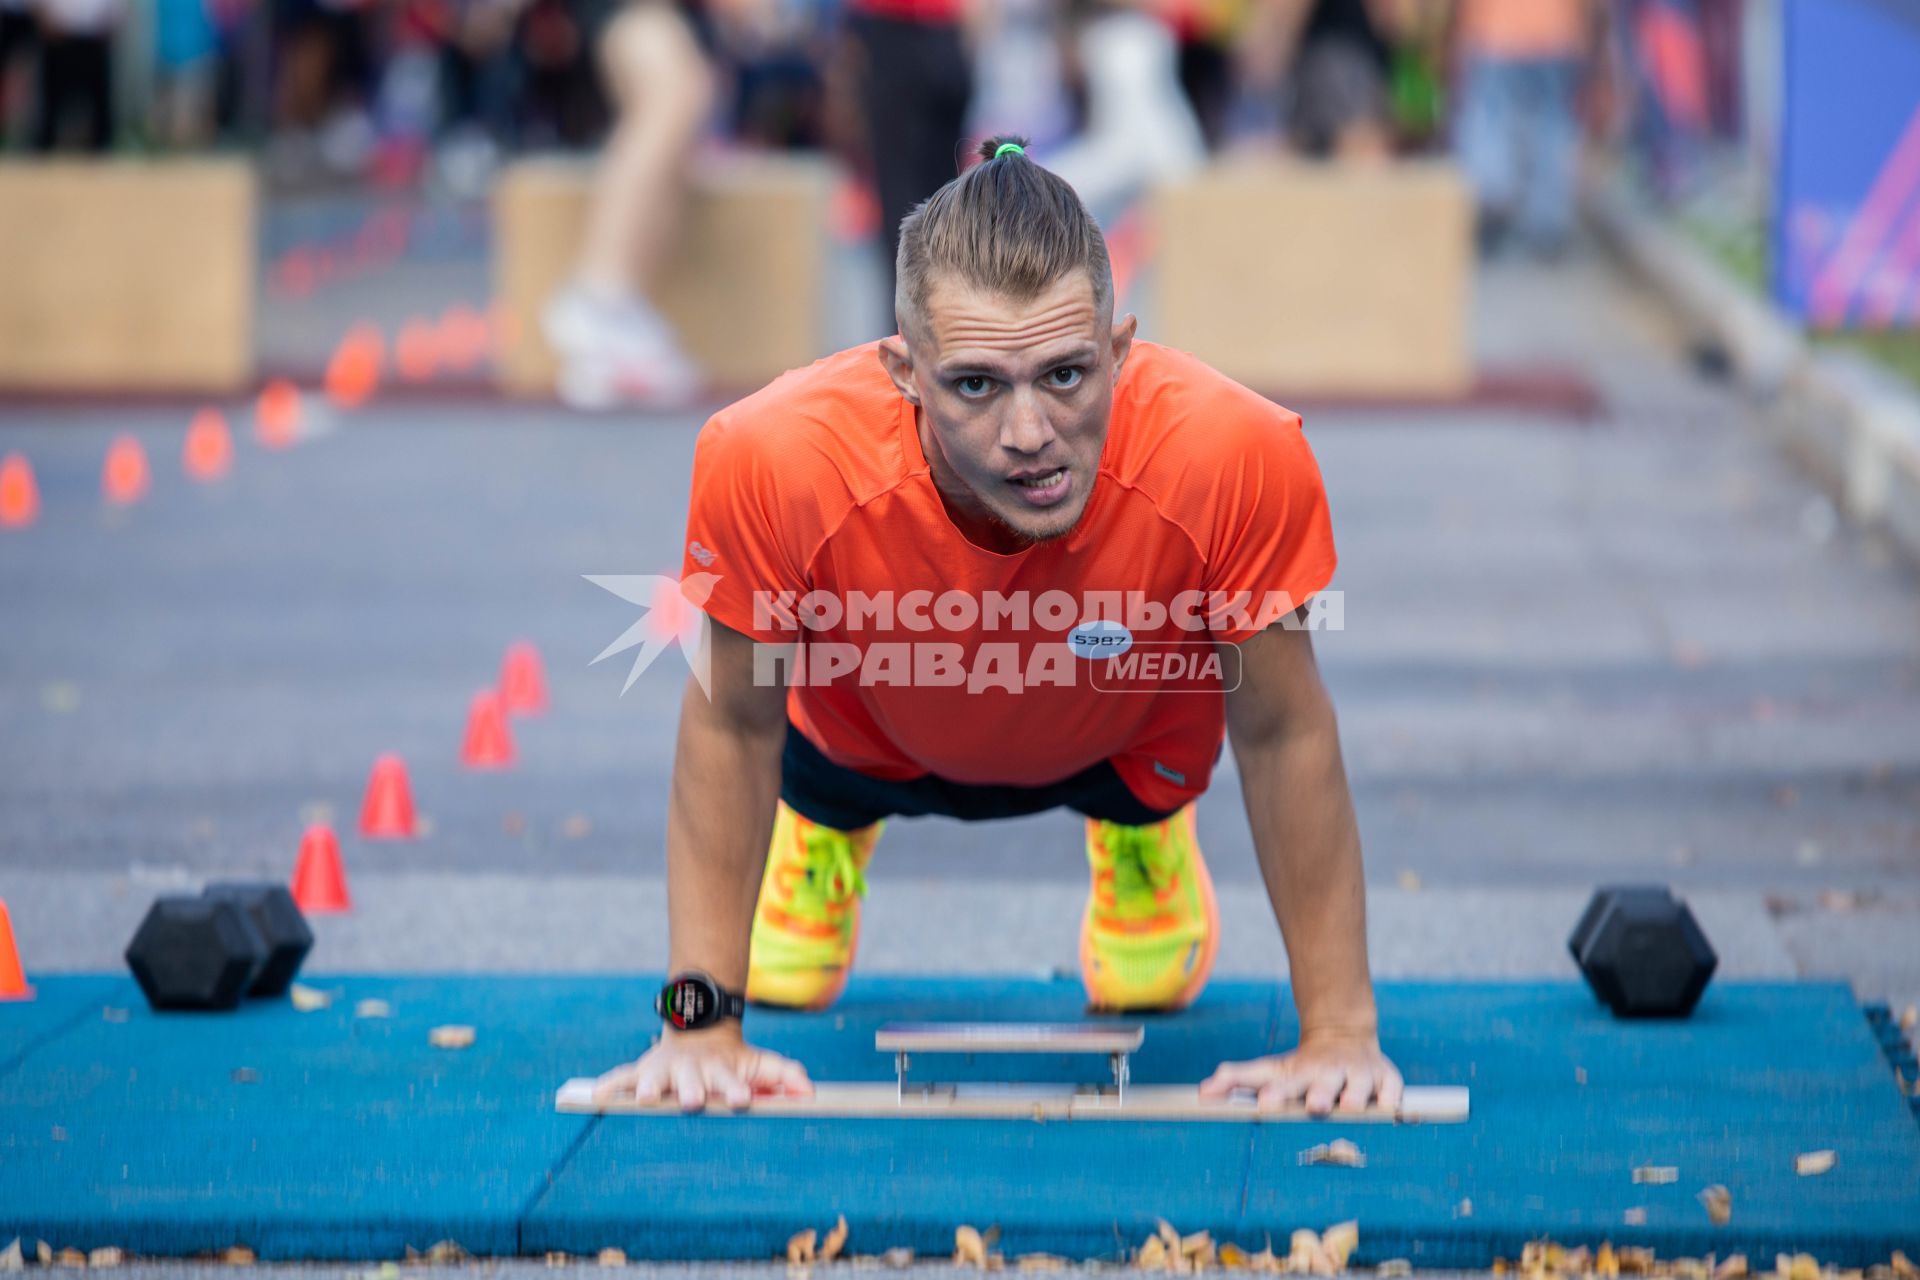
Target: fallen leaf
[44,1252]
[70,1258]
[1811,1164]
[1910,1017]
[446,1251]
[1733,1267]
[558,1258]
[1340,1240]
[1151,1256]
[1305,1255]
[1040,1262]
[1265,1262]
[612,1257]
[968,1246]
[1464,1209]
[1657,1175]
[1804,1266]
[1338,1152]
[800,1247]
[1199,1249]
[307,999]
[1606,1262]
[373,1009]
[1635,1262]
[450,1037]
[1233,1257]
[1394,1267]
[1903,1266]
[1719,1203]
[11,1259]
[836,1240]
[898,1257]
[1635,1217]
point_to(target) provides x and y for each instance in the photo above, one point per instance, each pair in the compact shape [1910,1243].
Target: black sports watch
[691,1000]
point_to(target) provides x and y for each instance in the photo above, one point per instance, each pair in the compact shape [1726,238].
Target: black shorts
[821,791]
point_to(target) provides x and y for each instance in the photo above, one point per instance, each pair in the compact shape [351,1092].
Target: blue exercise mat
[323,1135]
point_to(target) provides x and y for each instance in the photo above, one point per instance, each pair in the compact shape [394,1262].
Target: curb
[1852,424]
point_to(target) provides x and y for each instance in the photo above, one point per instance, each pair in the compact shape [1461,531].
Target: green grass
[1742,250]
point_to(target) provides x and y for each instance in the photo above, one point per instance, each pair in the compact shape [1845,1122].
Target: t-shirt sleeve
[747,540]
[1272,535]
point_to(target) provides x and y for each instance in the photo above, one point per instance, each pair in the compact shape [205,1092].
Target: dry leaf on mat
[450,1037]
[969,1246]
[238,1256]
[612,1257]
[1655,1175]
[1634,1217]
[1339,1241]
[836,1240]
[70,1258]
[800,1247]
[1719,1203]
[308,999]
[106,1257]
[373,1009]
[1338,1152]
[11,1259]
[1040,1262]
[1811,1164]
[1733,1267]
[898,1257]
[1903,1266]
[1151,1256]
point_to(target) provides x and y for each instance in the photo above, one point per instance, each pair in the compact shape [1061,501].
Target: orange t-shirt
[1523,29]
[814,506]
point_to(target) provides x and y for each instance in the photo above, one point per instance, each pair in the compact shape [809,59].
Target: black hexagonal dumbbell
[279,921]
[196,953]
[1642,952]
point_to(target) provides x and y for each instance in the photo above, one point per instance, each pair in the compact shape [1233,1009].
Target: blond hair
[1005,226]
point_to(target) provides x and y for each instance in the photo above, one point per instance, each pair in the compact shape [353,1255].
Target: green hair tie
[1005,147]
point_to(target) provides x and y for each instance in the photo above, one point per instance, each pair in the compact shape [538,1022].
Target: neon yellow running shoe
[1152,926]
[807,923]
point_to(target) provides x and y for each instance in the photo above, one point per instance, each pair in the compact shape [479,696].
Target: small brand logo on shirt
[1171,775]
[1101,638]
[700,553]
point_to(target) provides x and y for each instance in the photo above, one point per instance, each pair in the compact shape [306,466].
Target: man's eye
[973,387]
[1067,375]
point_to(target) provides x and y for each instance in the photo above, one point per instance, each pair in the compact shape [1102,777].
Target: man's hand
[1342,1072]
[693,1066]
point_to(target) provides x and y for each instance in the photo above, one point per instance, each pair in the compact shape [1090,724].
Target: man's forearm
[1308,845]
[726,778]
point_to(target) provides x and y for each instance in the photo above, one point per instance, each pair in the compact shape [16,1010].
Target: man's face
[1013,399]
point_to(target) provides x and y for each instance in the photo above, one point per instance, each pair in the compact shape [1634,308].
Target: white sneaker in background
[616,351]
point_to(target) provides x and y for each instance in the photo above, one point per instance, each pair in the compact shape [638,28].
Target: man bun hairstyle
[1004,226]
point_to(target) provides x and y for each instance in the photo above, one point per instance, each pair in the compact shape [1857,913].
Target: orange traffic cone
[319,879]
[488,744]
[19,495]
[387,811]
[276,419]
[13,979]
[523,682]
[353,375]
[124,479]
[417,351]
[209,450]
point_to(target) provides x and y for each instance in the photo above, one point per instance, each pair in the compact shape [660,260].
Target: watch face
[689,1003]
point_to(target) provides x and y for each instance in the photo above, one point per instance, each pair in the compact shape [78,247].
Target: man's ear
[898,362]
[1123,341]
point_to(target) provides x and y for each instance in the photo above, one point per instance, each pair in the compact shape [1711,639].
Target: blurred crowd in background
[400,90]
